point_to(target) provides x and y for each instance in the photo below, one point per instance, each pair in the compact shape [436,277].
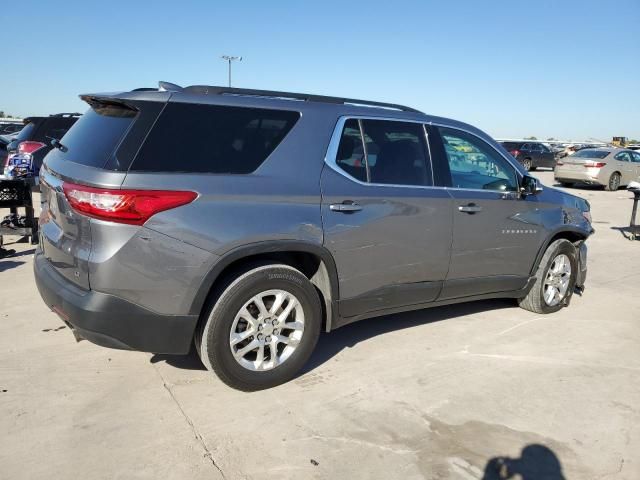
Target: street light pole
[229,59]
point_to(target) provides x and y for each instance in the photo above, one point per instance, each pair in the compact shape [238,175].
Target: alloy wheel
[556,284]
[267,330]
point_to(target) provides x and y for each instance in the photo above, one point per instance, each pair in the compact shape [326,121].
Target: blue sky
[567,69]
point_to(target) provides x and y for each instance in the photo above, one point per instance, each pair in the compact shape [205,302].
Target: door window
[635,157]
[474,164]
[350,157]
[385,152]
[623,157]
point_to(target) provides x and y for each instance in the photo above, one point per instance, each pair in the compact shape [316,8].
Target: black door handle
[345,207]
[470,208]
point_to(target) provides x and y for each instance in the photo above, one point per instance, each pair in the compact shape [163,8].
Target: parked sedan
[607,166]
[531,154]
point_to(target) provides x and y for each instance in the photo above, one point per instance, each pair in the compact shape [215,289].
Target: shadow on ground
[627,232]
[330,344]
[535,462]
[7,264]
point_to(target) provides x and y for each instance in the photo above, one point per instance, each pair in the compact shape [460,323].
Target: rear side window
[213,139]
[96,135]
[389,153]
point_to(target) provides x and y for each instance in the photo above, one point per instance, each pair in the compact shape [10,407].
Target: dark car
[531,155]
[248,221]
[4,142]
[7,128]
[34,139]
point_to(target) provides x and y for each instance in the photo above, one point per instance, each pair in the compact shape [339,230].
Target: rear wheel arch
[313,260]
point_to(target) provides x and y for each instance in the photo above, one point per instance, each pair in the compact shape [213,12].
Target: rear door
[626,167]
[635,158]
[495,237]
[388,228]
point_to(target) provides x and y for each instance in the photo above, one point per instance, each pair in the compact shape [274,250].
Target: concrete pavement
[438,393]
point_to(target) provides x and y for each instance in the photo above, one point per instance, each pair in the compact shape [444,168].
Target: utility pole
[229,59]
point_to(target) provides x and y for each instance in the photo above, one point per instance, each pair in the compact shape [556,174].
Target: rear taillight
[515,153]
[559,162]
[594,164]
[29,147]
[134,207]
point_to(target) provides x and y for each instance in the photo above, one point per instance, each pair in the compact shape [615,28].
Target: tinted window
[475,164]
[350,156]
[591,154]
[397,153]
[55,128]
[510,146]
[95,136]
[213,139]
[635,157]
[26,132]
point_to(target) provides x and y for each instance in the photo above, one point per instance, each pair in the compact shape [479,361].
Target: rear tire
[535,301]
[247,307]
[614,182]
[527,164]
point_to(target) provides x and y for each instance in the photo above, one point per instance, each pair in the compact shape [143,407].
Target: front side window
[385,152]
[635,157]
[474,164]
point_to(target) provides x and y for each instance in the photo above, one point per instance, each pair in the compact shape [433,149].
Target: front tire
[262,328]
[555,279]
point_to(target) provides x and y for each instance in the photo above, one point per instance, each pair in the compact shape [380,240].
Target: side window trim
[518,174]
[330,158]
[364,151]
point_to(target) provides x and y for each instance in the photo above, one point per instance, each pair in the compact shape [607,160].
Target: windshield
[591,154]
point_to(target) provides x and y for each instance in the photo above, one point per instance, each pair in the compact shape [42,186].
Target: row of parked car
[32,139]
[610,167]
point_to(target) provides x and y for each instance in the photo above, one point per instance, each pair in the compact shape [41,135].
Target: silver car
[606,166]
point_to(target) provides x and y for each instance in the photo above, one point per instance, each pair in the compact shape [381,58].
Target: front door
[388,229]
[495,230]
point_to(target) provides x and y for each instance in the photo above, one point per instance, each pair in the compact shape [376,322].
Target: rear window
[27,132]
[591,154]
[213,139]
[511,145]
[96,135]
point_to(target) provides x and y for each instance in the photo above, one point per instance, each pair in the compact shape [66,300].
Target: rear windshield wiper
[55,143]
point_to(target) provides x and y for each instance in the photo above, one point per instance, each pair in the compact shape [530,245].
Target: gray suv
[247,221]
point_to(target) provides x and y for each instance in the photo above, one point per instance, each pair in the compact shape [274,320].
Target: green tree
[531,138]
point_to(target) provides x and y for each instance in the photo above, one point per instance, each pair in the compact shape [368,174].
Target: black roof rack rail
[75,114]
[215,90]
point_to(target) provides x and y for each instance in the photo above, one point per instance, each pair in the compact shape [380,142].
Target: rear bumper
[564,175]
[110,321]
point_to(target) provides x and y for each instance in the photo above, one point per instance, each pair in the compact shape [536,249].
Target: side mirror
[530,186]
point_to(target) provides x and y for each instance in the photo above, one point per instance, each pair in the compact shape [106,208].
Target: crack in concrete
[194,430]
